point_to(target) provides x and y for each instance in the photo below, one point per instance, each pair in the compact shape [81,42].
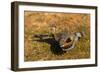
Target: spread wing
[44,38]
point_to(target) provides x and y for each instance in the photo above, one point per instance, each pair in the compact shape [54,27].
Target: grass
[39,23]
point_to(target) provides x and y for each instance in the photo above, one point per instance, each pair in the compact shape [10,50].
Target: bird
[61,42]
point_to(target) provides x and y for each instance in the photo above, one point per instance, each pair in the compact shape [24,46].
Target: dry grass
[39,23]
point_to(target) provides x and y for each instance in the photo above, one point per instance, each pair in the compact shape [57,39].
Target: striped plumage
[70,40]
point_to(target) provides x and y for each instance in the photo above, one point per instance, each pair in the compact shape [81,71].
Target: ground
[40,23]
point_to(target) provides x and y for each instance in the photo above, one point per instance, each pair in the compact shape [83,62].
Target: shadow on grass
[54,45]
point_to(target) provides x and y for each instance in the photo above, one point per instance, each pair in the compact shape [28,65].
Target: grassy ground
[40,22]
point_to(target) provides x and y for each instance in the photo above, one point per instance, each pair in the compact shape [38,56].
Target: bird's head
[80,34]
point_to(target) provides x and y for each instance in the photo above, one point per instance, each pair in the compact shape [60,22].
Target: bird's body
[72,40]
